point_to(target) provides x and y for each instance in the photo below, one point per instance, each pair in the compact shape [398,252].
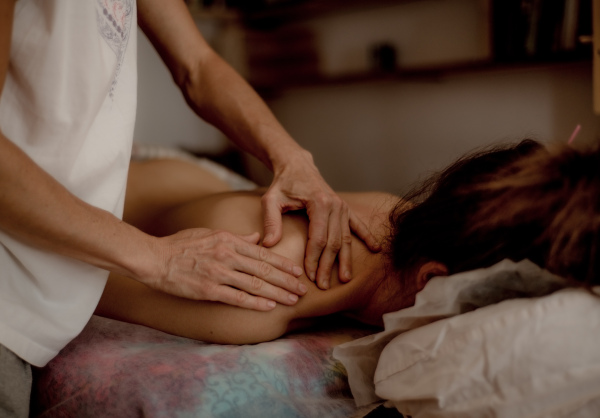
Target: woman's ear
[430,270]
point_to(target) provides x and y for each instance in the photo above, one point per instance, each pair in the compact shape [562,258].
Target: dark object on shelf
[383,57]
[282,52]
[529,30]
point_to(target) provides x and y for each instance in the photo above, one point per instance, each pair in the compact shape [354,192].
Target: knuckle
[223,236]
[324,199]
[346,239]
[256,284]
[263,254]
[335,244]
[207,271]
[208,292]
[290,283]
[264,269]
[221,253]
[241,297]
[320,241]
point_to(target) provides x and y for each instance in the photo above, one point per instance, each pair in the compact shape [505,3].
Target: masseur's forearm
[36,209]
[212,88]
[196,264]
[239,112]
[223,98]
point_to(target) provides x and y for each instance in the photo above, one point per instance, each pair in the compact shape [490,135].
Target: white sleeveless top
[69,102]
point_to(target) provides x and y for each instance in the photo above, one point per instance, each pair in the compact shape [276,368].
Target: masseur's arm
[196,264]
[221,97]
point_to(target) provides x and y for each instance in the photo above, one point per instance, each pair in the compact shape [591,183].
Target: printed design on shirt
[114,25]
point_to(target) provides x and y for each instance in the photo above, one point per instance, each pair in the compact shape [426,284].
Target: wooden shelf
[286,12]
[251,15]
[416,74]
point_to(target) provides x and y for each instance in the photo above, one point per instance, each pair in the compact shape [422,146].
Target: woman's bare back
[240,213]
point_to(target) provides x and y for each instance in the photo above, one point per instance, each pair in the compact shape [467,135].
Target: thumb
[273,225]
[252,238]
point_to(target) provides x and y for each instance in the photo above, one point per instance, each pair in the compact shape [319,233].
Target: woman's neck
[380,289]
[366,300]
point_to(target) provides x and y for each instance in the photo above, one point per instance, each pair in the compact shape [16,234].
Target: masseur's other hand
[203,264]
[299,185]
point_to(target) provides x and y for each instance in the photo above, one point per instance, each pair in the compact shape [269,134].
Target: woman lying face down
[516,202]
[240,212]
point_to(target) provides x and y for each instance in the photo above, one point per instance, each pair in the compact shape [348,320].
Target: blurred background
[385,92]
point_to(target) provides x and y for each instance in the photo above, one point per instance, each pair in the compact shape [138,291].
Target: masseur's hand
[220,96]
[202,264]
[297,185]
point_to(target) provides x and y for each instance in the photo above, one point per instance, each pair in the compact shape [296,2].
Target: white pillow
[443,297]
[518,358]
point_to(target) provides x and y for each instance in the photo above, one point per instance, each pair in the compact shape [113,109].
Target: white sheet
[535,357]
[442,298]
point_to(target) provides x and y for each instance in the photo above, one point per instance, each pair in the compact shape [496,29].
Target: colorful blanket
[115,369]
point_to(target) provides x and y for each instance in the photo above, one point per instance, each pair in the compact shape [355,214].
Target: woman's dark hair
[518,202]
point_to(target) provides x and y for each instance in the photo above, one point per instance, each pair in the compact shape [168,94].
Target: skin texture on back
[193,205]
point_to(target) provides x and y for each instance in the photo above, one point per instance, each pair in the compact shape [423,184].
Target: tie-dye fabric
[115,369]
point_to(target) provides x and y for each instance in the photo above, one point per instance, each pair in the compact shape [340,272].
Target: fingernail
[303,289]
[293,298]
[297,271]
[311,275]
[347,275]
[268,237]
[271,304]
[325,284]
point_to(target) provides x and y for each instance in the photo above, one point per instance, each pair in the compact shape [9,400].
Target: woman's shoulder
[236,212]
[370,201]
[372,207]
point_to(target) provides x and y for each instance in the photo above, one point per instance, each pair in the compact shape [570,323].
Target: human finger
[242,299]
[345,254]
[272,222]
[273,268]
[334,244]
[278,261]
[252,238]
[361,230]
[259,287]
[317,237]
